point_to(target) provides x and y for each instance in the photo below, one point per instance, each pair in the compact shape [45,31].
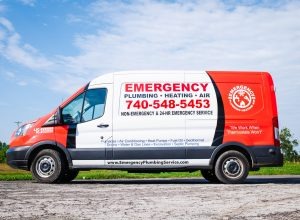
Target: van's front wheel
[232,167]
[47,166]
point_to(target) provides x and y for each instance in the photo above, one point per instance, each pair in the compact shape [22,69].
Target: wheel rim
[45,166]
[232,167]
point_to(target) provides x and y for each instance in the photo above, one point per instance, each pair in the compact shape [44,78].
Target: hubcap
[45,166]
[232,167]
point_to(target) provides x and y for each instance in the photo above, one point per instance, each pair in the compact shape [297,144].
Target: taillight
[276,132]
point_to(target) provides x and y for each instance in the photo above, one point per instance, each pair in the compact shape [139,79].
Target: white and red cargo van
[223,123]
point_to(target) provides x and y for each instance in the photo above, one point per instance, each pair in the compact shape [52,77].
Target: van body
[223,123]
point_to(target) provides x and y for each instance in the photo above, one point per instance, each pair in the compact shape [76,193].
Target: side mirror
[56,119]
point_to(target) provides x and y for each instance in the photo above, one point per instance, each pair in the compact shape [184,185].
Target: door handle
[102,125]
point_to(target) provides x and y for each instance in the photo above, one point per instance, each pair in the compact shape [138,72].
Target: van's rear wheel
[232,167]
[48,166]
[210,176]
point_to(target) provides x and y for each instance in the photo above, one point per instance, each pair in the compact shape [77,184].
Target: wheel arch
[233,146]
[36,148]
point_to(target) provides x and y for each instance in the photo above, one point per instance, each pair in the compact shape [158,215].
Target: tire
[69,176]
[210,176]
[232,167]
[48,167]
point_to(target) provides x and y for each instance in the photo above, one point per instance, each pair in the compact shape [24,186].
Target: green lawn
[7,173]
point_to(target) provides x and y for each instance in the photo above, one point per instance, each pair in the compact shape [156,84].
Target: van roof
[108,78]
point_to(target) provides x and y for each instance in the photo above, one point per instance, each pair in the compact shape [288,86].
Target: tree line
[3,149]
[288,145]
[287,142]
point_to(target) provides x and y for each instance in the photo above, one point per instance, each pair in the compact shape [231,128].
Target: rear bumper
[267,156]
[16,157]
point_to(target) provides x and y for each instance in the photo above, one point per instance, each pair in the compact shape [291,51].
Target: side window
[94,104]
[71,113]
[85,107]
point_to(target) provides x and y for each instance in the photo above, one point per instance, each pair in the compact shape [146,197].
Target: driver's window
[94,104]
[93,107]
[71,113]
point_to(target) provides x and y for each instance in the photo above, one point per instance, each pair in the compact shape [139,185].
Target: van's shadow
[250,180]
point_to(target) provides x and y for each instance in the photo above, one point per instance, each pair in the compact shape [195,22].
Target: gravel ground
[266,197]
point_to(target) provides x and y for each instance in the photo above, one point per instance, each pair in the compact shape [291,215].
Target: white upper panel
[108,78]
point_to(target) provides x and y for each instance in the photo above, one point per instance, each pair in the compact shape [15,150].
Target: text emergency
[166,87]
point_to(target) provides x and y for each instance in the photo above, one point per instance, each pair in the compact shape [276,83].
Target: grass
[7,173]
[116,174]
[289,168]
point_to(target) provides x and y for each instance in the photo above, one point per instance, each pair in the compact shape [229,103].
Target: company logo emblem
[46,130]
[241,98]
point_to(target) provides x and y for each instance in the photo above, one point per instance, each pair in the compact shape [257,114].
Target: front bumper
[16,157]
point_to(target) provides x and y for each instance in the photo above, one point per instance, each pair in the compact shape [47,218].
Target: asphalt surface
[264,197]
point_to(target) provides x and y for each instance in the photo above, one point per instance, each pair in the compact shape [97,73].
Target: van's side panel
[167,116]
[165,119]
[160,120]
[207,124]
[142,129]
[203,124]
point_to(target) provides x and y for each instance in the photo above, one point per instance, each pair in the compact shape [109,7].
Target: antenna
[18,123]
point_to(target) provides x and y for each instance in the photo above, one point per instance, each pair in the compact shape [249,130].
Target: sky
[48,49]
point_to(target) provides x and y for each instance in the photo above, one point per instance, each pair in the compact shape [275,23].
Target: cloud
[196,35]
[18,79]
[10,75]
[2,8]
[7,24]
[204,34]
[22,83]
[249,35]
[188,35]
[13,50]
[28,2]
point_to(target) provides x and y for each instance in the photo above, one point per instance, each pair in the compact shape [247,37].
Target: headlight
[22,130]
